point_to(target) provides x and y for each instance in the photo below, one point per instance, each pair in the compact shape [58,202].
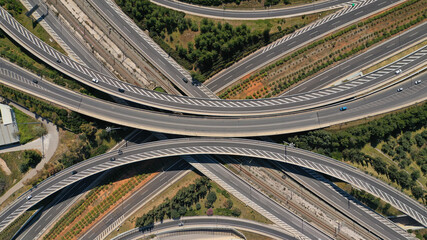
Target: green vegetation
[28,131]
[321,54]
[237,2]
[17,10]
[100,200]
[159,89]
[18,163]
[216,45]
[31,159]
[188,202]
[374,203]
[401,143]
[10,230]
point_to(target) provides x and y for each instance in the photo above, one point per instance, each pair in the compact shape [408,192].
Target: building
[8,126]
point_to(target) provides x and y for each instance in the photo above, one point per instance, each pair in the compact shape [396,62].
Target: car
[121,90]
[112,159]
[73,172]
[29,197]
[400,89]
[343,108]
[58,60]
[95,80]
[417,82]
[185,79]
[180,224]
[398,71]
[120,152]
[35,81]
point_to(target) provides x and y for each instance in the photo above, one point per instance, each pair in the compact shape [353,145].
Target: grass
[27,132]
[13,161]
[347,187]
[30,24]
[311,59]
[159,89]
[394,58]
[254,236]
[8,233]
[188,179]
[188,35]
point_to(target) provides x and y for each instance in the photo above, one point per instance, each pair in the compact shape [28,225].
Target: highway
[197,146]
[288,43]
[212,222]
[345,204]
[147,47]
[185,104]
[380,102]
[140,197]
[356,63]
[251,14]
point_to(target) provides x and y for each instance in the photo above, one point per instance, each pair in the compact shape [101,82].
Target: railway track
[284,201]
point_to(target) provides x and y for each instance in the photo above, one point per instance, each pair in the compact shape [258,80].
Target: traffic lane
[362,60]
[50,19]
[247,14]
[150,99]
[35,227]
[144,46]
[138,198]
[198,125]
[260,58]
[211,222]
[340,202]
[260,199]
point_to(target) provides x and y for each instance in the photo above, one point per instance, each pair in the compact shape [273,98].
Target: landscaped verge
[320,55]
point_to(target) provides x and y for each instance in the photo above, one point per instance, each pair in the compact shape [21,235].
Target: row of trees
[346,144]
[221,2]
[177,206]
[288,80]
[217,45]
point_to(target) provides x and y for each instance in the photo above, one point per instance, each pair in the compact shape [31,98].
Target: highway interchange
[383,101]
[185,104]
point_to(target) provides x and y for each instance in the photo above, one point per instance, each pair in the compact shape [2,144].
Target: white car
[400,89]
[417,82]
[29,197]
[95,80]
[398,71]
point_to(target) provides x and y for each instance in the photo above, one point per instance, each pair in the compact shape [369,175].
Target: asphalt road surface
[197,146]
[214,222]
[248,14]
[380,102]
[190,105]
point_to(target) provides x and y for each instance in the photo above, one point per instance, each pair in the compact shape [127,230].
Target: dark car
[120,152]
[343,108]
[58,60]
[35,81]
[73,172]
[121,90]
[185,79]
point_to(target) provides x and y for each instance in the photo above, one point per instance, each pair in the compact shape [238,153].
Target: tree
[417,191]
[174,214]
[236,212]
[210,199]
[228,204]
[198,206]
[415,175]
[403,179]
[209,212]
[182,210]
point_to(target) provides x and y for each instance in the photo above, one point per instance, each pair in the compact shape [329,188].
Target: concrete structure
[9,133]
[197,146]
[206,106]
